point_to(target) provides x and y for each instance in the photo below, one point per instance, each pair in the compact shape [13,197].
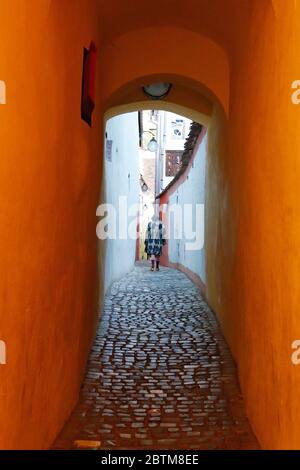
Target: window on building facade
[178,130]
[173,161]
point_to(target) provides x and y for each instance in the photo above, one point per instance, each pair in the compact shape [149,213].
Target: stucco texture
[252,219]
[49,180]
[254,226]
[121,182]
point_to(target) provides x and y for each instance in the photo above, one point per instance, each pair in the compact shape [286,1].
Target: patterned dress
[155,238]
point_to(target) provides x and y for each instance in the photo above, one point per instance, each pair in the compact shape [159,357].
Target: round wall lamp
[153,145]
[143,184]
[157,91]
[144,188]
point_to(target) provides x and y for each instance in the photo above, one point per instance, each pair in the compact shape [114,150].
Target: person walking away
[154,241]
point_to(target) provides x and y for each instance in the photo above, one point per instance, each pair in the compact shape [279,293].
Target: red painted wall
[164,202]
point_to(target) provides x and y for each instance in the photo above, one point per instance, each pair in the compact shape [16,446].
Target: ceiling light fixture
[157,91]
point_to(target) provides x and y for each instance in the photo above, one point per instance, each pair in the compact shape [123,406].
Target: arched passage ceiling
[219,20]
[196,66]
[190,113]
[195,39]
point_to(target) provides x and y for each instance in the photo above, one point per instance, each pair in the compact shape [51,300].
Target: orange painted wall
[50,175]
[49,183]
[253,221]
[158,60]
[253,227]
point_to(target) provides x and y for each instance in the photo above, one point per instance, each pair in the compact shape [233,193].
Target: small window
[178,129]
[2,92]
[173,161]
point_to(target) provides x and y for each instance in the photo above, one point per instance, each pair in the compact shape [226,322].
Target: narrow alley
[160,375]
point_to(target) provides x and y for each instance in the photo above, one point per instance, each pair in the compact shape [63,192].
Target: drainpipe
[163,153]
[157,156]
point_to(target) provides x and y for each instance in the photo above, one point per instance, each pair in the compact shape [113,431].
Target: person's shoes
[157,269]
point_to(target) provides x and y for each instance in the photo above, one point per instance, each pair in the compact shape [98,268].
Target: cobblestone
[160,375]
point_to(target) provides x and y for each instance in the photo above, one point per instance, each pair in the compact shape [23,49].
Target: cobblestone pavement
[160,375]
